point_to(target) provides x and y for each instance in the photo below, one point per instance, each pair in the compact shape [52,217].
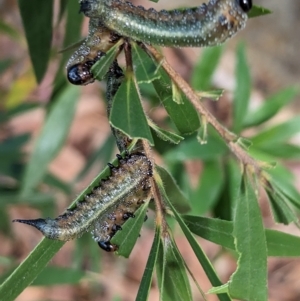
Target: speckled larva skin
[99,40]
[106,208]
[207,25]
[106,227]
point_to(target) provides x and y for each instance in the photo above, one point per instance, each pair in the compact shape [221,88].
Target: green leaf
[220,232]
[33,199]
[183,115]
[203,259]
[5,222]
[20,109]
[209,188]
[281,150]
[51,180]
[258,11]
[270,107]
[282,212]
[127,237]
[144,67]
[127,114]
[171,273]
[38,30]
[165,135]
[173,192]
[205,68]
[211,94]
[250,242]
[213,229]
[278,133]
[242,89]
[28,270]
[58,276]
[282,244]
[282,180]
[51,138]
[146,281]
[7,29]
[100,68]
[191,149]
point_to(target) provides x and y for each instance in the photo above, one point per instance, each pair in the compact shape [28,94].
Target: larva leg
[207,25]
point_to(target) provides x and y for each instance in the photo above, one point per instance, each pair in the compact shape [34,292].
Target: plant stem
[229,137]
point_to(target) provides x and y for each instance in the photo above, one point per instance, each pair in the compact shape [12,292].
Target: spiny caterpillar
[207,25]
[106,207]
[98,42]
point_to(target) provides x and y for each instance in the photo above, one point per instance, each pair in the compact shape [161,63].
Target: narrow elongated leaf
[209,187]
[281,150]
[250,242]
[258,11]
[242,89]
[174,193]
[51,180]
[100,68]
[126,238]
[183,115]
[282,212]
[172,277]
[165,135]
[270,107]
[205,68]
[282,181]
[127,113]
[28,270]
[191,149]
[145,285]
[51,138]
[38,30]
[33,199]
[144,67]
[10,31]
[279,133]
[204,261]
[57,276]
[219,231]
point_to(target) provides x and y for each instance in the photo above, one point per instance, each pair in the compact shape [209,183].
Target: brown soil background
[273,52]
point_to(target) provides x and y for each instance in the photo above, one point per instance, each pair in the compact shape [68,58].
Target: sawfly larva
[207,25]
[106,207]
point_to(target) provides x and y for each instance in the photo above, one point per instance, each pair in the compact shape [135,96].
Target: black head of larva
[246,5]
[80,74]
[85,6]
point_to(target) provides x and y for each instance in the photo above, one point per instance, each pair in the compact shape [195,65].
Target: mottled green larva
[207,25]
[106,207]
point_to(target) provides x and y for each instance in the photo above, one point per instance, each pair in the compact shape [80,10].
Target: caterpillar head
[246,5]
[98,42]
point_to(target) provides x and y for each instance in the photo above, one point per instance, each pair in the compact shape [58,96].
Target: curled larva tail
[207,25]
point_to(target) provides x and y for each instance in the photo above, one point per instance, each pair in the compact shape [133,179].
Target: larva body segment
[98,42]
[106,208]
[106,228]
[207,25]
